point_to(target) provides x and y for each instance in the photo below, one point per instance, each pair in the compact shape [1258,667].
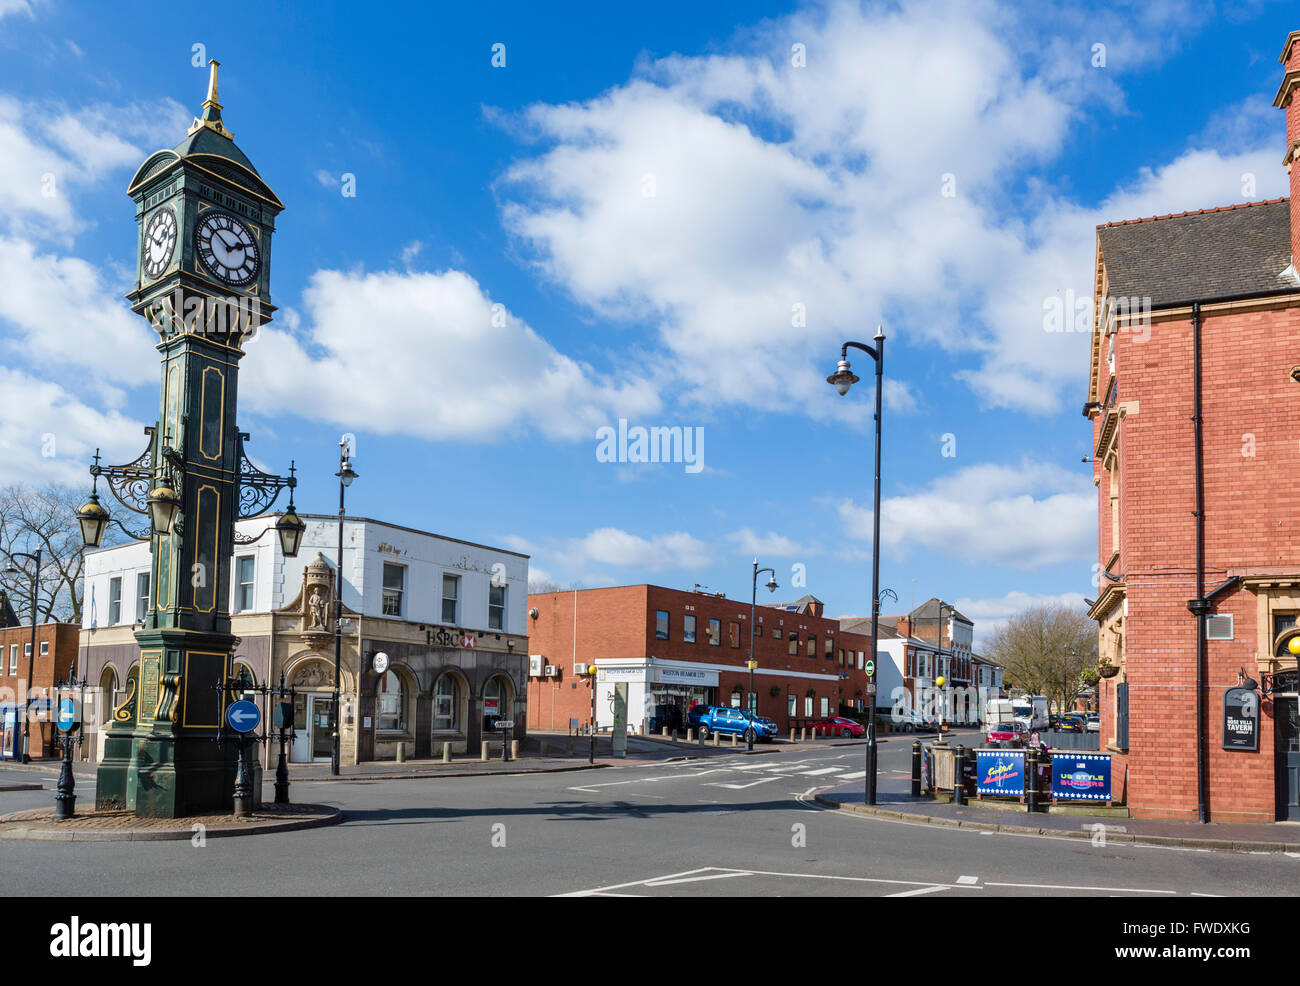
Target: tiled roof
[1199,256]
[929,610]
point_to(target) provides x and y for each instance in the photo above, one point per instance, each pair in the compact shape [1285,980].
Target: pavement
[894,802]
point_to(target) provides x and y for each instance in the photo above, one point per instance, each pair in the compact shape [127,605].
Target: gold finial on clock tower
[211,118]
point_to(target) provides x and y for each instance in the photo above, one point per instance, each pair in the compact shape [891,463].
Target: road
[676,829]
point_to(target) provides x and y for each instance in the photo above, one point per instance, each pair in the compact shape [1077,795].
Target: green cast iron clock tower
[206,220]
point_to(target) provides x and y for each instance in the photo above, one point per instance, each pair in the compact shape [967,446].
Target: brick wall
[621,623]
[56,665]
[1251,435]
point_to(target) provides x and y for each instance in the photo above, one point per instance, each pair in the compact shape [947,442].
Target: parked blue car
[723,719]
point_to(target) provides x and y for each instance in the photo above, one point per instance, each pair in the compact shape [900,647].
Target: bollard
[514,749]
[485,751]
[1031,779]
[665,732]
[734,737]
[803,733]
[715,739]
[690,736]
[959,776]
[446,753]
[916,769]
[401,753]
[791,734]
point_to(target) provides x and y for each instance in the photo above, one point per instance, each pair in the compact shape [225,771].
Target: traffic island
[125,826]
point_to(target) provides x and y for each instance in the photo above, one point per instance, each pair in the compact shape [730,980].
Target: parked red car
[1010,733]
[838,726]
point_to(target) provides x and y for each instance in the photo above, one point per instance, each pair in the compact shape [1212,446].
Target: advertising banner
[1081,776]
[1000,772]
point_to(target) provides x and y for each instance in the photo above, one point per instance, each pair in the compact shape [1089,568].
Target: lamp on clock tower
[205,220]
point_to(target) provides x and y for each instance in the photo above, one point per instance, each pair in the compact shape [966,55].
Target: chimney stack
[1288,98]
[905,626]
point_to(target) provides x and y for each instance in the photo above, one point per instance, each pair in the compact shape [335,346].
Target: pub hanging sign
[1241,719]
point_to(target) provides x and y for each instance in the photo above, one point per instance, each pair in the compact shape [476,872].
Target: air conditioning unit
[536,662]
[552,671]
[579,668]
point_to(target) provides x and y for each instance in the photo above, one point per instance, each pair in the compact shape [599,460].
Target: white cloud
[712,195]
[1021,516]
[430,355]
[65,315]
[991,613]
[48,435]
[581,558]
[769,545]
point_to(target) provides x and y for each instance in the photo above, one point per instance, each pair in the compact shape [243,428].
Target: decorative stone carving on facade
[313,674]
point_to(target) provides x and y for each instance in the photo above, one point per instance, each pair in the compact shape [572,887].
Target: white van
[1032,711]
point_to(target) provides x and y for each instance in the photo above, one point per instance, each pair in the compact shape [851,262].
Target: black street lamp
[753,602]
[345,474]
[11,569]
[842,379]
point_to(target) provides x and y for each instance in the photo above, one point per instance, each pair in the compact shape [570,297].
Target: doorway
[1286,719]
[313,740]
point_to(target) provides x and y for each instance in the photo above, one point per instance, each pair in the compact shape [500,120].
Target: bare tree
[44,519]
[550,585]
[1044,649]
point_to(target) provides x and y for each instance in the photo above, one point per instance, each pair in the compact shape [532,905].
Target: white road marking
[968,880]
[741,787]
[823,770]
[1056,886]
[918,892]
[697,879]
[853,777]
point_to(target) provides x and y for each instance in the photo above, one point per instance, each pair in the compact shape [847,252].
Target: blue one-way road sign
[243,716]
[67,717]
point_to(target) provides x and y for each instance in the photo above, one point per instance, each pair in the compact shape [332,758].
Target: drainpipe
[1200,605]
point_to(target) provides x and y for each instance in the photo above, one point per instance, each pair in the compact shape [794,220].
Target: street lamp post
[842,379]
[753,602]
[345,474]
[13,569]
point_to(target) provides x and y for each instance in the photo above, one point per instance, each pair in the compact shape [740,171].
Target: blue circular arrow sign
[243,716]
[67,716]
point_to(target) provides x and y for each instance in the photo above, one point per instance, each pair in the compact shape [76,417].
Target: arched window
[391,701]
[446,704]
[107,689]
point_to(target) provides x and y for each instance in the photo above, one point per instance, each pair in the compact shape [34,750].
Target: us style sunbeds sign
[1241,719]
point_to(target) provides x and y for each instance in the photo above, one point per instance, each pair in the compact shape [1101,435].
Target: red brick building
[56,655]
[680,648]
[1194,400]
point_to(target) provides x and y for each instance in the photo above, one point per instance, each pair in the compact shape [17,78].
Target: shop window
[114,601]
[794,644]
[733,633]
[496,607]
[394,587]
[812,646]
[391,701]
[808,705]
[792,705]
[661,624]
[826,706]
[450,598]
[141,595]
[446,704]
[688,628]
[244,570]
[715,633]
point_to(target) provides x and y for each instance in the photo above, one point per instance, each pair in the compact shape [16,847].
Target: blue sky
[681,213]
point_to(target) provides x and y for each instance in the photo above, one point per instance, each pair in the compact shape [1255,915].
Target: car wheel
[750,736]
[846,734]
[704,732]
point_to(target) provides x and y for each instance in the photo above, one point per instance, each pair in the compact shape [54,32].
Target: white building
[449,614]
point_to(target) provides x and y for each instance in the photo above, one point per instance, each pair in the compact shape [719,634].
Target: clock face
[227,248]
[159,242]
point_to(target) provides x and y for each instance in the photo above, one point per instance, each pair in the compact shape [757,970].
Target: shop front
[652,683]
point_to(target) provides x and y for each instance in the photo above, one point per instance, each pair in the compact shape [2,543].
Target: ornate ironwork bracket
[258,490]
[130,484]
